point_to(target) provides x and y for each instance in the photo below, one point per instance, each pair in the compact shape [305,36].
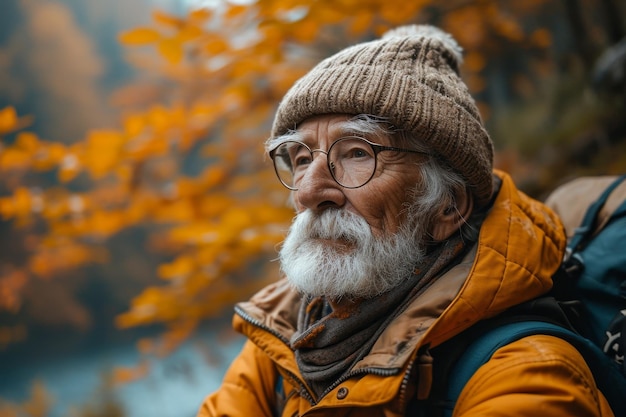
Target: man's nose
[317,189]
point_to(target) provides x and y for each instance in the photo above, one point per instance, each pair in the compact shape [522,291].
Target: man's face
[352,242]
[380,202]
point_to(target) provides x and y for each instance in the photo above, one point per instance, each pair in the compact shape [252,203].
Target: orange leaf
[27,141]
[213,176]
[14,159]
[140,36]
[235,10]
[159,118]
[179,211]
[361,23]
[182,266]
[102,151]
[172,50]
[124,375]
[167,19]
[307,31]
[190,33]
[216,46]
[8,119]
[200,15]
[134,124]
[22,201]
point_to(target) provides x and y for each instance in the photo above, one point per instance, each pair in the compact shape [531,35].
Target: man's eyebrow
[360,128]
[348,129]
[288,136]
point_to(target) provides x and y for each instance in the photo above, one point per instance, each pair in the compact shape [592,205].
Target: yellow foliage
[182,266]
[213,176]
[399,13]
[126,374]
[28,151]
[134,124]
[13,158]
[38,405]
[18,205]
[167,19]
[140,36]
[328,14]
[49,156]
[60,256]
[194,234]
[11,284]
[171,49]
[306,31]
[229,67]
[215,45]
[189,33]
[361,23]
[106,223]
[70,165]
[8,119]
[199,16]
[235,11]
[102,152]
[27,142]
[468,26]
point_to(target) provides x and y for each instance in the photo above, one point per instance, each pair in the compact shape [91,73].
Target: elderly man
[404,237]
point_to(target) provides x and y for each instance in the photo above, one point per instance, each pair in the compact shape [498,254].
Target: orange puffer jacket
[521,244]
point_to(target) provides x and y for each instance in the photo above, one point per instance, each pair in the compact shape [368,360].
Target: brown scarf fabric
[328,343]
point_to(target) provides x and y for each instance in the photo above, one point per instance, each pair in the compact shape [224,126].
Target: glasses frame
[376,149]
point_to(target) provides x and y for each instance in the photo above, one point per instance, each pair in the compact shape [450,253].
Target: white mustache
[331,224]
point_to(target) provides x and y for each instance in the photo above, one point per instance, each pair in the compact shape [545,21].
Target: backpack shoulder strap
[608,377]
[588,224]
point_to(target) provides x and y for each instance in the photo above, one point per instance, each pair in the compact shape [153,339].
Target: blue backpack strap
[587,226]
[606,374]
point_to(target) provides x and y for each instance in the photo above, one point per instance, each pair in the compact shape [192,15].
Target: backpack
[587,308]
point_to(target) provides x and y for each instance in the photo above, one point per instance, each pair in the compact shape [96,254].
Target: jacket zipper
[404,385]
[304,391]
[304,388]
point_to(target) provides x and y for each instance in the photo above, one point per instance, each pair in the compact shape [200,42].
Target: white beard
[335,254]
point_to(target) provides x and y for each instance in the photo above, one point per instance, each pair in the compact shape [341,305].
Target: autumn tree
[186,160]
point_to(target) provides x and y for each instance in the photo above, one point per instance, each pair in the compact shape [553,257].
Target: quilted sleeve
[535,376]
[248,388]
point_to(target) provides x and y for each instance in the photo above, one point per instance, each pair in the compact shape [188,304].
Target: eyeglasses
[351,161]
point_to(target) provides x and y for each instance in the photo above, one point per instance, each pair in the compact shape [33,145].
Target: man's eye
[358,153]
[355,152]
[301,159]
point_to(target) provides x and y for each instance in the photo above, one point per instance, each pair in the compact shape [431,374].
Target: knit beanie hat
[410,77]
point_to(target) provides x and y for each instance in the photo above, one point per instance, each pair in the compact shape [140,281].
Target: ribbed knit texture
[409,77]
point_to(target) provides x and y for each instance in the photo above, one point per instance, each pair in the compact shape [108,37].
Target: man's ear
[453,216]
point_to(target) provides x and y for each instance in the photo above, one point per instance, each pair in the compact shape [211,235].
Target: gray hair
[440,182]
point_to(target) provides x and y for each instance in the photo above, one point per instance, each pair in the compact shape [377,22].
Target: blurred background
[136,206]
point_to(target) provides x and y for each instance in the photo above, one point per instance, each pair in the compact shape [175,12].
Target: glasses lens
[290,162]
[352,161]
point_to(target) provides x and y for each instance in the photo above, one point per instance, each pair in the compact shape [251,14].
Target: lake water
[174,385]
